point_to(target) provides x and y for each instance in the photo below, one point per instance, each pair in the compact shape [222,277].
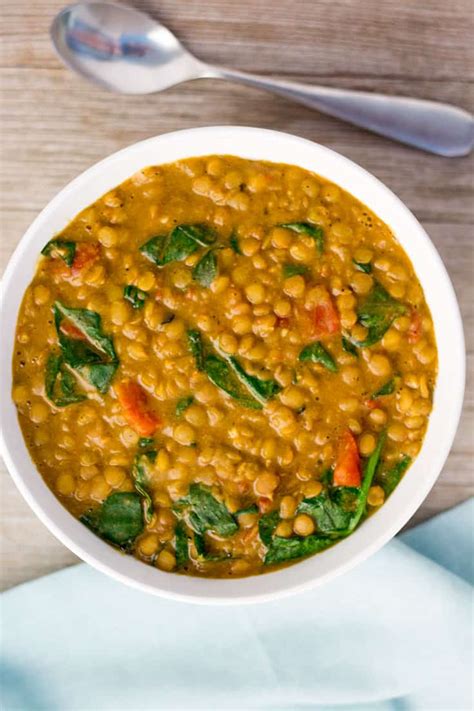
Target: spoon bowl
[120,48]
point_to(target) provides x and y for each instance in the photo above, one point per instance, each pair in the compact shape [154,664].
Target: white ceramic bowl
[252,143]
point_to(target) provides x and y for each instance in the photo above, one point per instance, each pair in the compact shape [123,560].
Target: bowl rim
[252,143]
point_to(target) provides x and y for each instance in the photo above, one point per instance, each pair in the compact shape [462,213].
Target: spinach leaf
[304,228]
[283,549]
[206,269]
[202,552]
[226,373]
[200,234]
[349,347]
[60,248]
[330,514]
[234,243]
[290,270]
[59,383]
[389,479]
[135,296]
[262,390]
[316,353]
[178,246]
[387,389]
[253,508]
[153,249]
[93,354]
[183,405]
[141,475]
[145,442]
[377,314]
[365,267]
[119,519]
[181,544]
[196,347]
[267,525]
[370,471]
[220,373]
[206,513]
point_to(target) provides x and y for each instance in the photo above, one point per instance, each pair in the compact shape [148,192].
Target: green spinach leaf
[135,296]
[305,228]
[206,513]
[183,405]
[178,246]
[370,471]
[220,373]
[141,474]
[201,234]
[290,270]
[60,248]
[262,390]
[316,353]
[283,549]
[206,269]
[226,373]
[234,243]
[93,355]
[252,509]
[365,267]
[387,389]
[146,443]
[349,347]
[389,479]
[119,519]
[196,347]
[377,314]
[329,512]
[181,544]
[266,526]
[153,249]
[59,383]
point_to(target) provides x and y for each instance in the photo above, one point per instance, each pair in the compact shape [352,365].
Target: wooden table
[54,125]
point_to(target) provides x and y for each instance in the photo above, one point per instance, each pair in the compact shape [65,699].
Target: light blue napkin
[392,634]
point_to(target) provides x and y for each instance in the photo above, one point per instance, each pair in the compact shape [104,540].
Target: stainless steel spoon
[129,52]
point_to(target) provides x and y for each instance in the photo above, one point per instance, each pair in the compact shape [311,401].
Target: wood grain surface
[54,125]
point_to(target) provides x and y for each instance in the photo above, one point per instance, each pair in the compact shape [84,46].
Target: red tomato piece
[86,254]
[347,471]
[373,404]
[133,400]
[416,328]
[325,317]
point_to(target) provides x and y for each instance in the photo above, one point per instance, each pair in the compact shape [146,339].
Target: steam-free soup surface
[224,365]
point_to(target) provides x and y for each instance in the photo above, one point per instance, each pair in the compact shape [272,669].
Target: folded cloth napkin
[392,634]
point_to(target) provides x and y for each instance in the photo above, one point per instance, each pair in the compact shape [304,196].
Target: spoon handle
[429,125]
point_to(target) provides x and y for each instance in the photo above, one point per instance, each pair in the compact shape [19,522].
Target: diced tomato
[264,504]
[414,332]
[282,322]
[325,317]
[133,400]
[347,471]
[373,404]
[69,329]
[86,254]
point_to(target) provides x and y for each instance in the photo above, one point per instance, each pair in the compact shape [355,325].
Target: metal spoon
[129,52]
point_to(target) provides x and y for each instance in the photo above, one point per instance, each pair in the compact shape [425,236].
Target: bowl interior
[257,144]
